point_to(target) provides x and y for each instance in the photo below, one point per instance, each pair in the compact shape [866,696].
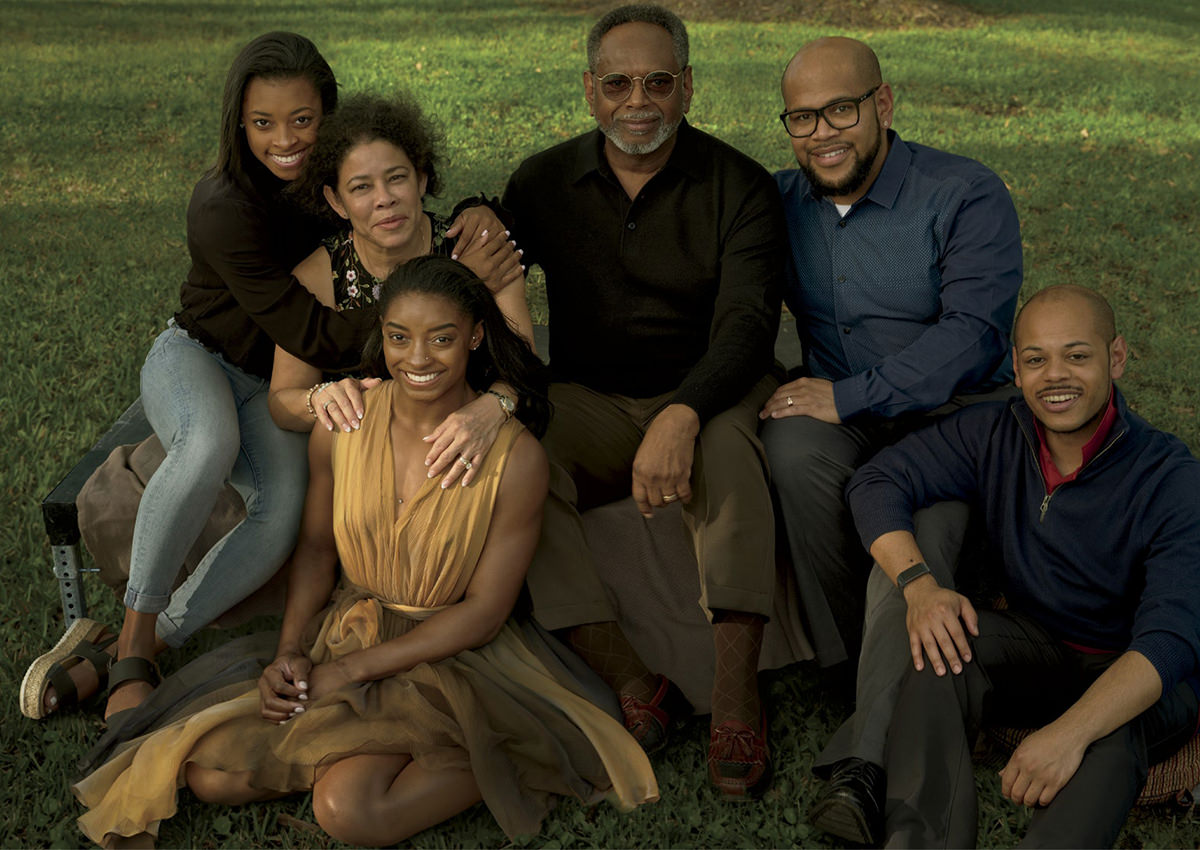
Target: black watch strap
[911,574]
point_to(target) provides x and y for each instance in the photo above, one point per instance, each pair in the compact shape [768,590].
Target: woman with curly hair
[373,164]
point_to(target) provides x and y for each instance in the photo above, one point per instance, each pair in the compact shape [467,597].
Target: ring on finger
[325,406]
[670,497]
[466,463]
[789,401]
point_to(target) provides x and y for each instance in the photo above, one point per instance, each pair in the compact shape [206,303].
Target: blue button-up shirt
[908,299]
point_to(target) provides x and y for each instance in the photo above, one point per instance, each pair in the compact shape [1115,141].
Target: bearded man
[904,274]
[663,250]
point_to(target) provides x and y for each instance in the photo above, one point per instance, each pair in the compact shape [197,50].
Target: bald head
[847,59]
[1070,298]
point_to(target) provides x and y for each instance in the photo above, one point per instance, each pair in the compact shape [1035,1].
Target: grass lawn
[1086,108]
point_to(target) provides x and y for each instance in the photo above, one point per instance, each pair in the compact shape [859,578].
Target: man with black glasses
[663,250]
[906,264]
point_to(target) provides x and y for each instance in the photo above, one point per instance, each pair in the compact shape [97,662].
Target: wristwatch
[911,574]
[506,404]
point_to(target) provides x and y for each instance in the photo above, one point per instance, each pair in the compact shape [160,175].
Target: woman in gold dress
[403,692]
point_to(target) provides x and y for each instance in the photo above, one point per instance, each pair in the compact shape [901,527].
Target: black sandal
[130,669]
[81,642]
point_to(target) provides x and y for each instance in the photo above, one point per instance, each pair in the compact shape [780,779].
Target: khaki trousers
[592,440]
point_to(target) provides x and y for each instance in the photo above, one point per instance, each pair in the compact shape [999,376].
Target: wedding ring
[670,497]
[325,406]
[464,461]
[789,401]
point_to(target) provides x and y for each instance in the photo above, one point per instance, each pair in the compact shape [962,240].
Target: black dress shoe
[852,805]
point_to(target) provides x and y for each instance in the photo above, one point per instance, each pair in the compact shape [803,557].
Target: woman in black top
[204,382]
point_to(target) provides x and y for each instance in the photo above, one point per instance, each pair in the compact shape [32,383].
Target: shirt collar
[685,156]
[1089,451]
[887,183]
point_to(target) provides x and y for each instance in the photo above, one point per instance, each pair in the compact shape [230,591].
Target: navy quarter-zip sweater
[1110,560]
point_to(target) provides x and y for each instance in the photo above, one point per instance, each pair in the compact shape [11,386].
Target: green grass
[108,114]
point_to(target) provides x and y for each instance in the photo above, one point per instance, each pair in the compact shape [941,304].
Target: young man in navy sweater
[1093,517]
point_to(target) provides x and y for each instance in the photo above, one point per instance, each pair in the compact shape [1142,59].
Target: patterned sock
[738,638]
[604,648]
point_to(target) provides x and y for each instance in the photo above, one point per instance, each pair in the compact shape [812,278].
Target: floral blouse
[355,287]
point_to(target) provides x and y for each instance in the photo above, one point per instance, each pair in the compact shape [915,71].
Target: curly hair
[503,356]
[364,118]
[271,56]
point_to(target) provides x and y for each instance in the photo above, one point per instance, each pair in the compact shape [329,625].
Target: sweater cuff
[696,402]
[878,507]
[1172,657]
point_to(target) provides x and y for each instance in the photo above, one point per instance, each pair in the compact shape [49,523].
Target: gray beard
[665,131]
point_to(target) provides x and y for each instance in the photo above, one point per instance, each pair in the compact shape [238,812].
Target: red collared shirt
[1054,478]
[1050,472]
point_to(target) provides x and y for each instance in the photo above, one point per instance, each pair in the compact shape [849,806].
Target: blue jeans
[213,422]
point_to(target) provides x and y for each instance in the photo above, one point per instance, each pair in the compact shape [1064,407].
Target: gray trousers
[1019,676]
[885,656]
[592,440]
[811,463]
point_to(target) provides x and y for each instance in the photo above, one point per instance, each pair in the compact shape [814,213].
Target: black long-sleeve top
[677,290]
[240,297]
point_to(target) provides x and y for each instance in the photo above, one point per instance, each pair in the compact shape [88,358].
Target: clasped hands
[292,680]
[483,246]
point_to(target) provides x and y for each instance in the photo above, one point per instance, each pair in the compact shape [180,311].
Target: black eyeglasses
[658,85]
[840,115]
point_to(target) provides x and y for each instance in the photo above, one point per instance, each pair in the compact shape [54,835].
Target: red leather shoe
[650,722]
[739,762]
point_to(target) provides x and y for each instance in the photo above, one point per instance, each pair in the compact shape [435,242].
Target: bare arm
[467,433]
[494,587]
[470,431]
[339,405]
[312,572]
[493,257]
[1046,760]
[936,615]
[513,304]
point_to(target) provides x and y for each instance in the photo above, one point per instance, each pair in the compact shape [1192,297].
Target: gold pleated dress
[521,725]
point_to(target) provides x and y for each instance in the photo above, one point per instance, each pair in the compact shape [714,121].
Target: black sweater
[240,297]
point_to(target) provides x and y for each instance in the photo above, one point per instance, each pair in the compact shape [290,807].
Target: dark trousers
[885,655]
[1020,676]
[811,463]
[592,441]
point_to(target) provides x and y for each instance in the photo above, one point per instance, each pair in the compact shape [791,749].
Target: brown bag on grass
[108,504]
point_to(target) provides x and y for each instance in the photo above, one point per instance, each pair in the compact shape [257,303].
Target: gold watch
[506,404]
